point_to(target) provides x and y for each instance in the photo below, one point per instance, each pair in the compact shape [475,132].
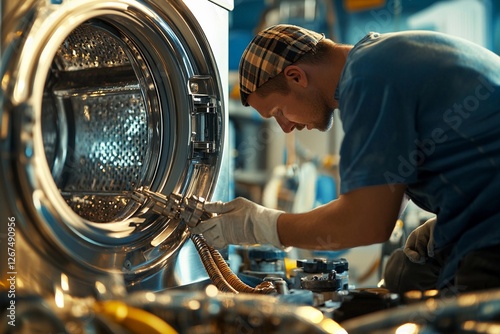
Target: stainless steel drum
[100,98]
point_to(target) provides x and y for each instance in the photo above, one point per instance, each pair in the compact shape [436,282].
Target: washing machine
[98,99]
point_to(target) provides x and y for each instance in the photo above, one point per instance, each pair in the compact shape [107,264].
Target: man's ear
[296,74]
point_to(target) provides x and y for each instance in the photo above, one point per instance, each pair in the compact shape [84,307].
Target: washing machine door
[100,98]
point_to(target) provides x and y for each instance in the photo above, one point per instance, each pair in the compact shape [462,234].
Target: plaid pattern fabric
[270,52]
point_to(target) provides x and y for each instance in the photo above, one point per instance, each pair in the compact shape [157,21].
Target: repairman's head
[270,52]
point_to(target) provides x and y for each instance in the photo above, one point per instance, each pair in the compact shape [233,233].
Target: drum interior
[100,130]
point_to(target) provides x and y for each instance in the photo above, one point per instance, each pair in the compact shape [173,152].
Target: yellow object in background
[290,264]
[359,5]
[134,319]
[235,92]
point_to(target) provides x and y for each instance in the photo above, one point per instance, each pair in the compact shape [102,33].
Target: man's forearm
[363,217]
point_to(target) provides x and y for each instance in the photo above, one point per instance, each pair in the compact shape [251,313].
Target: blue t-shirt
[423,109]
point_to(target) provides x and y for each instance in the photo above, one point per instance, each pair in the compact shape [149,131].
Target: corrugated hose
[221,274]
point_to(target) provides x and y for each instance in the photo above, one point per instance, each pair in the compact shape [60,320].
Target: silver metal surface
[174,206]
[98,99]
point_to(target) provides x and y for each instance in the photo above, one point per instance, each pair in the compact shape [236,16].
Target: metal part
[204,117]
[262,261]
[279,283]
[322,283]
[174,206]
[316,268]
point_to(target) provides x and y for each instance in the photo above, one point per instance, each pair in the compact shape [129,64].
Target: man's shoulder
[382,52]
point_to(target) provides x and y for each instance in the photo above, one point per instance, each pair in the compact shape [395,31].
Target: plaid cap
[270,51]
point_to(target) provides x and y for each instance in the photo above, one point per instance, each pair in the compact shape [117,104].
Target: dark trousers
[478,270]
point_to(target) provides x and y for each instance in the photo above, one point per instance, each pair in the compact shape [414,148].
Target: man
[421,116]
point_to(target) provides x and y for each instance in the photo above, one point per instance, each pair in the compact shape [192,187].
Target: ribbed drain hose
[219,272]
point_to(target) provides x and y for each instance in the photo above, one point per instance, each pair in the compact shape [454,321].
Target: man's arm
[361,217]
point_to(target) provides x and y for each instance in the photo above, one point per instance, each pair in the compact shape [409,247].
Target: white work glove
[239,222]
[420,243]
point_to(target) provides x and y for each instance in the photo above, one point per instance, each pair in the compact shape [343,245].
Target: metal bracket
[174,206]
[205,119]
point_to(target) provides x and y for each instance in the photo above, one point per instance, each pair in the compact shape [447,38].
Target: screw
[127,264]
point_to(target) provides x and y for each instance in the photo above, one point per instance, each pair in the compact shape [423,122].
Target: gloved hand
[240,222]
[420,243]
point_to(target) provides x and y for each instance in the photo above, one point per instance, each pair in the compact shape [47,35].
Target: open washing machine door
[100,98]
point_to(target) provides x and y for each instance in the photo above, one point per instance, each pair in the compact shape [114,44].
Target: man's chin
[325,127]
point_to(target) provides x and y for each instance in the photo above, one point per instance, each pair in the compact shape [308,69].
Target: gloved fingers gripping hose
[240,222]
[420,243]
